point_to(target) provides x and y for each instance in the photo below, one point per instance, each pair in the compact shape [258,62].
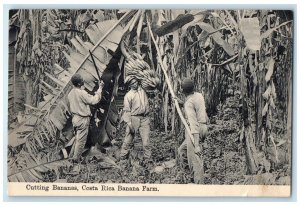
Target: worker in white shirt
[195,112]
[80,102]
[136,109]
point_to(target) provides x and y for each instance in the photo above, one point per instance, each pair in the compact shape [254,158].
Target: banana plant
[52,126]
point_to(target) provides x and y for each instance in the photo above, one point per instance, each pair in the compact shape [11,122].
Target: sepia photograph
[165,101]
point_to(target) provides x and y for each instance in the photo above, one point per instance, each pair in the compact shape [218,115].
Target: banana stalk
[137,68]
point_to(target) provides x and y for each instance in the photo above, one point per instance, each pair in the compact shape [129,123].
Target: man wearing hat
[195,113]
[80,102]
[135,115]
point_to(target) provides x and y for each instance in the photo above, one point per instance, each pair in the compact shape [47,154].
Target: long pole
[170,86]
[96,68]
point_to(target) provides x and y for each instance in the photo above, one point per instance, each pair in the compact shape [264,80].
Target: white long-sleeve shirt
[80,100]
[135,103]
[195,111]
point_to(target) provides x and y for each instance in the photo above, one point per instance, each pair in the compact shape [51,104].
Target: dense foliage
[240,60]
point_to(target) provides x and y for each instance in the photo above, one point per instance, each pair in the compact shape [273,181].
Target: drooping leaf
[175,24]
[265,109]
[266,94]
[272,104]
[273,90]
[198,17]
[34,174]
[217,36]
[95,32]
[83,18]
[270,69]
[232,20]
[281,142]
[268,32]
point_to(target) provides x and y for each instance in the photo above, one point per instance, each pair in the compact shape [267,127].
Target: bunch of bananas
[136,67]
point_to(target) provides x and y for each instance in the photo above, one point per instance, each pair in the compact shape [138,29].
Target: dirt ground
[224,158]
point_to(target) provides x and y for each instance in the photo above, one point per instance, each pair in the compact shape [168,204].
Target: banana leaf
[180,21]
[108,34]
[217,36]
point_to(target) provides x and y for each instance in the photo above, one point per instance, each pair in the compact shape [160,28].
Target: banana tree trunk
[247,132]
[259,104]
